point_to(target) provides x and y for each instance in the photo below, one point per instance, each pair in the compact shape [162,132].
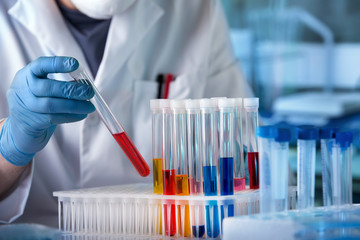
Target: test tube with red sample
[113,125]
[179,145]
[239,170]
[251,106]
[169,184]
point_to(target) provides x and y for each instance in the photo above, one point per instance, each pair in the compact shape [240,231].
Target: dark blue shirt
[89,33]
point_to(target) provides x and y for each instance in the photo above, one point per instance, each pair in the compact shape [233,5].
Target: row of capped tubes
[200,141]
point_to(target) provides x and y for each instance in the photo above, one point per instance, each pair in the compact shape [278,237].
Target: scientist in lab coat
[124,44]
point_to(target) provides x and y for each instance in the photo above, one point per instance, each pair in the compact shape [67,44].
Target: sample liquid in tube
[182,189]
[226,176]
[239,184]
[198,231]
[253,165]
[169,208]
[210,182]
[132,153]
[196,187]
[158,175]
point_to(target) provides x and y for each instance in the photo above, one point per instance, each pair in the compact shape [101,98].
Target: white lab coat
[186,38]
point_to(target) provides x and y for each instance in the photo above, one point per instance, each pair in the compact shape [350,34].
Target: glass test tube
[343,156]
[169,185]
[306,153]
[329,167]
[226,143]
[239,171]
[251,106]
[210,155]
[195,165]
[179,144]
[115,128]
[157,147]
[280,170]
[266,136]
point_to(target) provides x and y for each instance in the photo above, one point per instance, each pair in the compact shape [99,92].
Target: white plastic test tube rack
[134,210]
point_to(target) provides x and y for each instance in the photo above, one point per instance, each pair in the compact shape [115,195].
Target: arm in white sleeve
[13,205]
[225,77]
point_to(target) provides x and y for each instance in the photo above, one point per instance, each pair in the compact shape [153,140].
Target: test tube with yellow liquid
[179,142]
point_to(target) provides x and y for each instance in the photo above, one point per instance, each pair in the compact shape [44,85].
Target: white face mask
[102,9]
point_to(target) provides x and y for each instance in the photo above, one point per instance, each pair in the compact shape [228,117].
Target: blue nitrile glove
[37,104]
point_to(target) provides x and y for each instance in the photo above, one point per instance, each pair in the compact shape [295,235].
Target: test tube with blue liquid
[169,185]
[239,170]
[306,154]
[330,168]
[251,106]
[112,124]
[179,143]
[210,155]
[195,166]
[266,136]
[280,170]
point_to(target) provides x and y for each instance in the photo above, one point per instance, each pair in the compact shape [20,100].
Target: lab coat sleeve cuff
[13,205]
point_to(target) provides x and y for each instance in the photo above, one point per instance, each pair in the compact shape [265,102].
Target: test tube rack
[135,211]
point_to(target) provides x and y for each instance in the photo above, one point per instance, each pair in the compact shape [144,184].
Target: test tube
[343,156]
[195,165]
[169,185]
[179,143]
[115,128]
[157,147]
[266,136]
[210,155]
[239,171]
[306,149]
[329,167]
[251,106]
[280,170]
[226,143]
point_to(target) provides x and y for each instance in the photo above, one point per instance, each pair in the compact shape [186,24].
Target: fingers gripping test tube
[251,106]
[306,147]
[179,145]
[115,128]
[239,171]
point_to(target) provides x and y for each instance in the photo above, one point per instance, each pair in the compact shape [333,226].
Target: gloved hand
[37,104]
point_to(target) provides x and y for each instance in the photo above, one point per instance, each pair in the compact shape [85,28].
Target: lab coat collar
[43,19]
[126,31]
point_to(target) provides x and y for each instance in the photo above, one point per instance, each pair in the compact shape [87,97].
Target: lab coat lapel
[126,32]
[43,19]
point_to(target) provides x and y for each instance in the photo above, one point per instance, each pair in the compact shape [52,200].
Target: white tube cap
[177,103]
[251,102]
[208,103]
[155,104]
[192,104]
[164,103]
[226,102]
[238,102]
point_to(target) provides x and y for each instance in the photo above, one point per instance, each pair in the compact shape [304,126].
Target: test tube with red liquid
[115,128]
[239,170]
[251,106]
[169,184]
